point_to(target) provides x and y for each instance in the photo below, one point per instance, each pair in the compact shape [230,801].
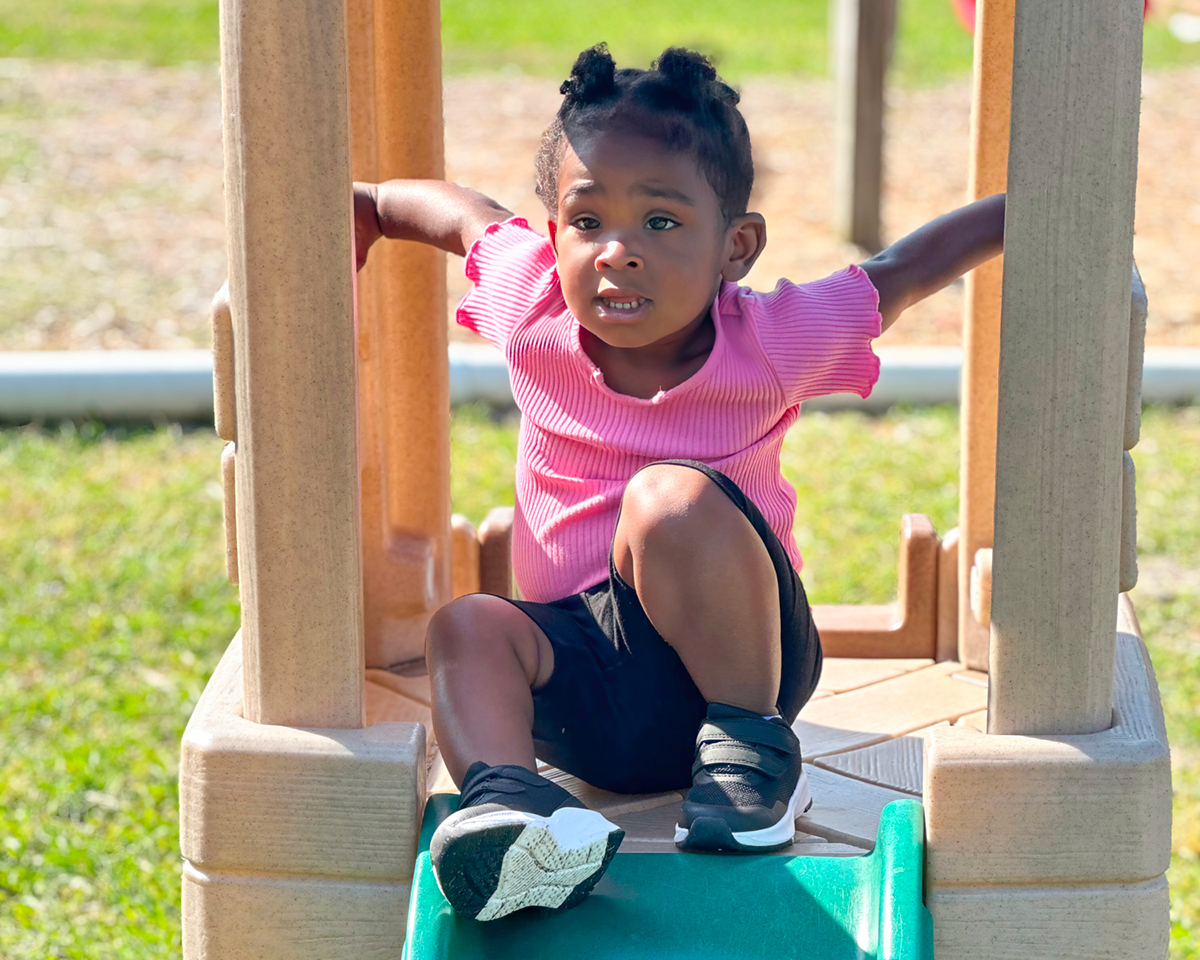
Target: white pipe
[177,384]
[106,384]
[478,372]
[919,375]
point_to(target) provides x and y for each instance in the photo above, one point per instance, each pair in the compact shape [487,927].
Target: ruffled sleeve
[513,268]
[818,335]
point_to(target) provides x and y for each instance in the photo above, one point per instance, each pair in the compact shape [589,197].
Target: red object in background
[966,12]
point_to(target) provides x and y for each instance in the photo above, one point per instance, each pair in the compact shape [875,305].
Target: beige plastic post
[862,39]
[224,405]
[1129,564]
[225,420]
[1133,430]
[981,325]
[369,321]
[495,552]
[229,490]
[905,628]
[981,587]
[465,550]
[1138,311]
[287,187]
[404,377]
[1063,365]
[360,22]
[1054,847]
[947,598]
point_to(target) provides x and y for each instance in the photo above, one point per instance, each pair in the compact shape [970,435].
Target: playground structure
[861,41]
[1008,688]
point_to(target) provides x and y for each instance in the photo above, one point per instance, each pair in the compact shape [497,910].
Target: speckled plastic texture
[695,906]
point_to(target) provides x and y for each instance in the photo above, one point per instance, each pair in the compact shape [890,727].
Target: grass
[111,610]
[114,610]
[154,31]
[539,37]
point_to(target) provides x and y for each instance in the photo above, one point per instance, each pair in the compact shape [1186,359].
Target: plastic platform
[672,906]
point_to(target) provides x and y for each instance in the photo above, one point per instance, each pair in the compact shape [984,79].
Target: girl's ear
[553,228]
[745,241]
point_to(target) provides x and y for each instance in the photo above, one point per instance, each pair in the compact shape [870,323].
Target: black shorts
[620,710]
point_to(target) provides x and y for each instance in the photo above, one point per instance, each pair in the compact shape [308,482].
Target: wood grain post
[495,552]
[1138,312]
[1129,564]
[224,404]
[1063,365]
[287,188]
[404,377]
[225,420]
[904,629]
[862,39]
[465,549]
[981,586]
[947,597]
[229,509]
[981,324]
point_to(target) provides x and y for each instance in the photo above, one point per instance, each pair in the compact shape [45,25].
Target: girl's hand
[366,221]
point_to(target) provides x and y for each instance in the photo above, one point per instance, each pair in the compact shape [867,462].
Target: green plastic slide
[672,906]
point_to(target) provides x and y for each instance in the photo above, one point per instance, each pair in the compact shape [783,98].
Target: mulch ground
[112,218]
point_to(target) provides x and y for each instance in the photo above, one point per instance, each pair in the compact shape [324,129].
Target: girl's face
[641,243]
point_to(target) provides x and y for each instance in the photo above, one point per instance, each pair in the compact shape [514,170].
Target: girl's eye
[586,223]
[661,223]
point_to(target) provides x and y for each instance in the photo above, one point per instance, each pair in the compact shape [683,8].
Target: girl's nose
[614,255]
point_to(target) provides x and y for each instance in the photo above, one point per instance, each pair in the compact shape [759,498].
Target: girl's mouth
[623,304]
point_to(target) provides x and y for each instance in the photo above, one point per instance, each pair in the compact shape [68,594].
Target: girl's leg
[516,840]
[485,657]
[706,582]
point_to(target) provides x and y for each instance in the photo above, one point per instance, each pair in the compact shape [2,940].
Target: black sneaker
[517,840]
[748,784]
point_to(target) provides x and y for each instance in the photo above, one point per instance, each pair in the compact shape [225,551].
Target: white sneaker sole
[550,859]
[778,833]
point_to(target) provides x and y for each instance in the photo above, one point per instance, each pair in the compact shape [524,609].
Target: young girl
[663,641]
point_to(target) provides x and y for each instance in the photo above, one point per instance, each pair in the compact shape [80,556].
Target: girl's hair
[679,101]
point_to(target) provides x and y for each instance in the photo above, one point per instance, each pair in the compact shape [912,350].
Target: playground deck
[862,735]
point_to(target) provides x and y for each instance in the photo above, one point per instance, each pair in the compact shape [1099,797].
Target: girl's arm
[441,214]
[936,254]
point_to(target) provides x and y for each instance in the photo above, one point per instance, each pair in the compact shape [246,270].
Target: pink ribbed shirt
[580,441]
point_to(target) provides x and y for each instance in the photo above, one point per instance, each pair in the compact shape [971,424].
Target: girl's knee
[461,625]
[667,490]
[485,628]
[671,497]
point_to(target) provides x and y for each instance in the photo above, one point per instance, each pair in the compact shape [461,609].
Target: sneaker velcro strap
[732,753]
[747,730]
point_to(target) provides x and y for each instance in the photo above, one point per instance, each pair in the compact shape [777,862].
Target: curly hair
[679,101]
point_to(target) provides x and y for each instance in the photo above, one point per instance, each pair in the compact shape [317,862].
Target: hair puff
[593,77]
[679,102]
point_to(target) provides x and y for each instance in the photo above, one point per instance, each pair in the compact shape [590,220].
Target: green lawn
[538,36]
[114,610]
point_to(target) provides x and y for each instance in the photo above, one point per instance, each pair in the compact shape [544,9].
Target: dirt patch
[111,214]
[112,220]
